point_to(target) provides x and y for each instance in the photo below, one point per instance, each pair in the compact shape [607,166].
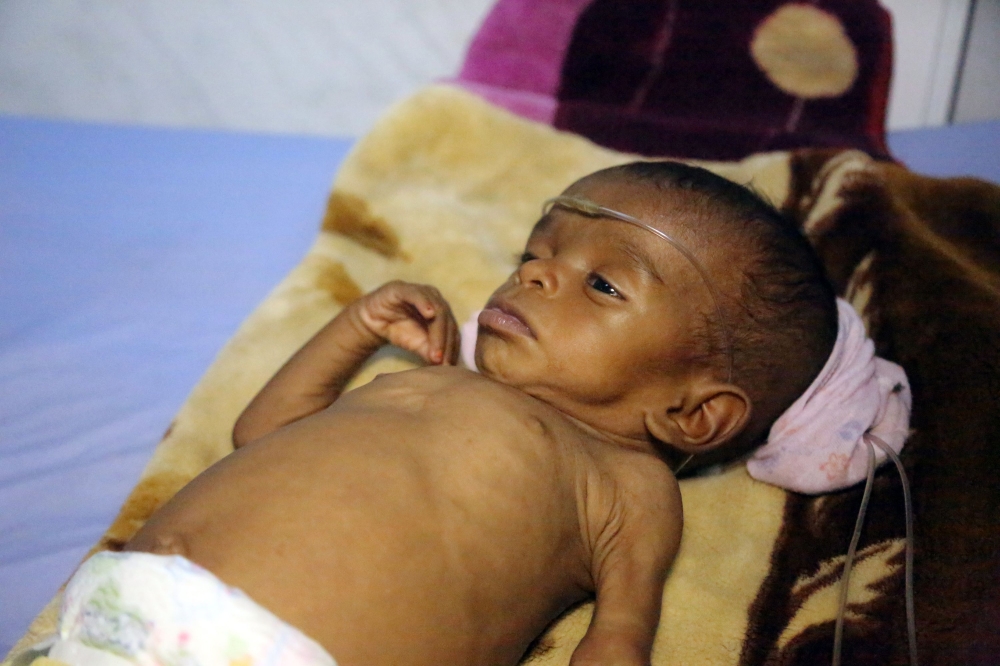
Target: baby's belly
[412,505]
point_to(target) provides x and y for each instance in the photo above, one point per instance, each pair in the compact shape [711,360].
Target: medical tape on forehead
[591,209]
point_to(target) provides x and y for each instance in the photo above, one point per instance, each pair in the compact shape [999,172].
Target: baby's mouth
[502,318]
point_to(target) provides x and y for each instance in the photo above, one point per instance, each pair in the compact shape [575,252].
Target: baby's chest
[454,400]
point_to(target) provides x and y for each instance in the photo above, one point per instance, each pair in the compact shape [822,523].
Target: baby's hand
[413,317]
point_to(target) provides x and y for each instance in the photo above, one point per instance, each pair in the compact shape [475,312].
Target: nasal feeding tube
[591,209]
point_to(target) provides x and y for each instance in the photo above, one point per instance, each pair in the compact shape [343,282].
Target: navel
[168,544]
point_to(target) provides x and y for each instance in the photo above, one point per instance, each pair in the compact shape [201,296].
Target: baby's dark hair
[783,321]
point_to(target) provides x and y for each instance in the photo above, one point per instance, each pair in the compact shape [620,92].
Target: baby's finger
[426,305]
[420,306]
[454,343]
[438,328]
[414,299]
[437,338]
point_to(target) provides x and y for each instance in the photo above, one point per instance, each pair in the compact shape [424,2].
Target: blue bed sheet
[971,149]
[128,257]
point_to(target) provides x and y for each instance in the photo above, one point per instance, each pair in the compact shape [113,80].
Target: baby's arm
[414,317]
[630,568]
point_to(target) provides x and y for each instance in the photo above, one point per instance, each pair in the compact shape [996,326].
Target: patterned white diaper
[123,609]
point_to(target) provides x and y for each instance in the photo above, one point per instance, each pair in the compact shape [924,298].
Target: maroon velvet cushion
[711,79]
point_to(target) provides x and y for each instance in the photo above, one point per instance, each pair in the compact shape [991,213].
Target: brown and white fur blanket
[445,189]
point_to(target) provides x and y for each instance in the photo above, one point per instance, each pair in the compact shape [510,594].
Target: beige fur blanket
[444,190]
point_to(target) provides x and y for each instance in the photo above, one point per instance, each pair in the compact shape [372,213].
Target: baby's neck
[595,429]
[642,444]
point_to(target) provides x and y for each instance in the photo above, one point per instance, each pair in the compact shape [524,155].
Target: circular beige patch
[805,52]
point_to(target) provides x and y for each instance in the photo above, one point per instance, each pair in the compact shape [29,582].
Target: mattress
[128,256]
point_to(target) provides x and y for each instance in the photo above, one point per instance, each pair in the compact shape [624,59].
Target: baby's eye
[602,285]
[526,257]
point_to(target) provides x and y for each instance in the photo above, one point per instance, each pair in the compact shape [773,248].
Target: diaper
[140,609]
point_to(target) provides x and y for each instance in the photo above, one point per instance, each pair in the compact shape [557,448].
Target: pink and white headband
[817,444]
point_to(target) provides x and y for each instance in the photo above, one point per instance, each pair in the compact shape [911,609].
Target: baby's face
[598,319]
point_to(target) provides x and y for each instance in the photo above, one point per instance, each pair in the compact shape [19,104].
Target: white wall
[928,37]
[979,89]
[303,66]
[318,66]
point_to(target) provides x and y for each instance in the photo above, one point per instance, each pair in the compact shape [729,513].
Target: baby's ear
[709,415]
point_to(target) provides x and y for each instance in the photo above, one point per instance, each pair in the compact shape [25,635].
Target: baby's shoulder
[641,472]
[636,492]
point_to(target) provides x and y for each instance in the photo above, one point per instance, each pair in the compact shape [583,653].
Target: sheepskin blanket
[445,189]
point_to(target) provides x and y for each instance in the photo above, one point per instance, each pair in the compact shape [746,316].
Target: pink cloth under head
[817,445]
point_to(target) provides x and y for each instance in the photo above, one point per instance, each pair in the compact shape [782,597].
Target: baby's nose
[539,273]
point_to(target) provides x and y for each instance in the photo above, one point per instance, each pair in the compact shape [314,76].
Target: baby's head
[699,342]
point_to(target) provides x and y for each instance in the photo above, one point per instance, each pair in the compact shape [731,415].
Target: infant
[444,516]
